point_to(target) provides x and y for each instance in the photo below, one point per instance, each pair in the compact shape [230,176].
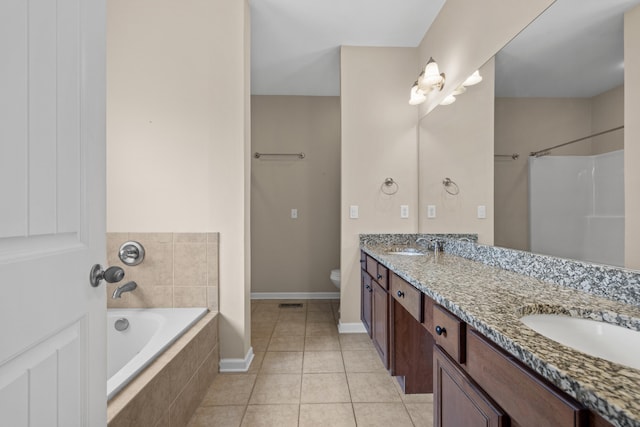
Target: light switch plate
[294,213]
[431,211]
[482,212]
[404,211]
[353,211]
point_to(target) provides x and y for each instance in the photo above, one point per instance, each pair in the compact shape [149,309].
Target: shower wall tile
[190,264]
[190,296]
[179,270]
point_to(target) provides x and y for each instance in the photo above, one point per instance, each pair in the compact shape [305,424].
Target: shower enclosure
[576,207]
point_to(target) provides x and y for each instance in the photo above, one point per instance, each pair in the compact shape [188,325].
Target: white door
[52,212]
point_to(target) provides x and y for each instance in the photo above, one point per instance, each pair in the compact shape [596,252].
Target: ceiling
[574,49]
[295,44]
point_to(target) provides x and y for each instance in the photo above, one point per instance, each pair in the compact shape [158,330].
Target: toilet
[335,277]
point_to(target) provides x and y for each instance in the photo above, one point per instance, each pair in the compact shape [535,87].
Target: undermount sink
[405,251]
[605,340]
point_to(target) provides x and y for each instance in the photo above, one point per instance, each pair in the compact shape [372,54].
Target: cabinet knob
[379,276]
[400,294]
[367,287]
[440,330]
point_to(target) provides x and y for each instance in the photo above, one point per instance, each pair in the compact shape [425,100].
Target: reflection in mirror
[561,80]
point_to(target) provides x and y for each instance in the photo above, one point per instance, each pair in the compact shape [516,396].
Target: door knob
[111,275]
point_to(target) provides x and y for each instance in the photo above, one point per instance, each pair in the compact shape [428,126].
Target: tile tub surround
[179,270]
[169,390]
[492,300]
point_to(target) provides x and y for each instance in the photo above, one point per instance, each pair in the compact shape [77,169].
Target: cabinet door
[458,401]
[365,314]
[381,322]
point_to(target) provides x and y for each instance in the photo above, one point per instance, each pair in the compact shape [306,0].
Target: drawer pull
[440,330]
[379,276]
[367,287]
[400,294]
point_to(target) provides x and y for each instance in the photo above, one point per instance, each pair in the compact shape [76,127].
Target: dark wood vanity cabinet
[458,401]
[411,347]
[375,306]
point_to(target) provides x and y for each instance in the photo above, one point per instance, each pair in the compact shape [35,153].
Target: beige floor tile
[322,343]
[320,316]
[271,416]
[421,413]
[282,362]
[286,343]
[292,316]
[321,329]
[325,388]
[267,307]
[256,363]
[327,414]
[319,306]
[382,415]
[217,416]
[229,389]
[355,342]
[372,387]
[264,316]
[260,343]
[413,398]
[262,331]
[289,329]
[322,362]
[362,361]
[276,389]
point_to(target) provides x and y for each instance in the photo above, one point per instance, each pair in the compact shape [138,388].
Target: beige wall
[295,255]
[379,128]
[523,125]
[632,137]
[177,134]
[456,141]
[378,141]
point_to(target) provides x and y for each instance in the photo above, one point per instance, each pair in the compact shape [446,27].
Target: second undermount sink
[405,251]
[605,340]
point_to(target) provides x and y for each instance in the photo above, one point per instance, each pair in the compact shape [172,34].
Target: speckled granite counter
[492,300]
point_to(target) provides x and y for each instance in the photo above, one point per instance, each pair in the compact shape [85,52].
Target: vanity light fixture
[429,79]
[473,79]
[448,100]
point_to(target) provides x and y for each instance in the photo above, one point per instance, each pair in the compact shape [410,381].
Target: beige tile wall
[179,270]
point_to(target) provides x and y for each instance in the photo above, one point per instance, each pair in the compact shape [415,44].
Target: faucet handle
[111,275]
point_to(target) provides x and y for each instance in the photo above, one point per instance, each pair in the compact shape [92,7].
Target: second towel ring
[447,182]
[389,187]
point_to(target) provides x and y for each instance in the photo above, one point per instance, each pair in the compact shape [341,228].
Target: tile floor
[305,374]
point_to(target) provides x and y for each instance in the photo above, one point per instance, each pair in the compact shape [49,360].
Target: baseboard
[351,328]
[295,295]
[237,365]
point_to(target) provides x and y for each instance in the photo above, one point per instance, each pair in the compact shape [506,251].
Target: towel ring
[389,187]
[447,182]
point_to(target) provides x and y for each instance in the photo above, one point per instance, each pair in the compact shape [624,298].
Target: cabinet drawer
[449,333]
[408,296]
[528,399]
[372,267]
[427,316]
[383,276]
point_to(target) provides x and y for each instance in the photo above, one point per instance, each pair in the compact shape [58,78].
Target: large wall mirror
[560,82]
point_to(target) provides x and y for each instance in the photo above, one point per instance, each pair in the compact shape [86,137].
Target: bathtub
[150,332]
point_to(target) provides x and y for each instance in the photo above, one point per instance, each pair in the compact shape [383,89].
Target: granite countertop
[492,300]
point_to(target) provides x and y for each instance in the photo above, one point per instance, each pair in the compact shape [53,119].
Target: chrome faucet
[423,239]
[438,245]
[127,287]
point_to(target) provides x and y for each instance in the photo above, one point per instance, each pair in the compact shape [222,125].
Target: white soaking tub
[150,331]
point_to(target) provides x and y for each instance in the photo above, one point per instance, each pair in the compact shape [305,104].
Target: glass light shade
[459,90]
[448,100]
[417,95]
[473,79]
[431,73]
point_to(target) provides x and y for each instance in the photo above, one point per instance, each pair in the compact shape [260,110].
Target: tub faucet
[127,287]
